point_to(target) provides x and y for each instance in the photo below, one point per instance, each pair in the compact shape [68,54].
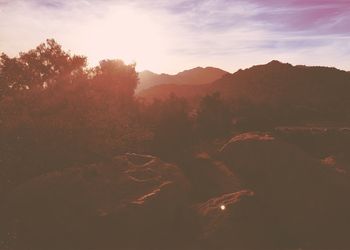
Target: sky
[170,36]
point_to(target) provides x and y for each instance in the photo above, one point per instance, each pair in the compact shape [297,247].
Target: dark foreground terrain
[255,192]
[258,159]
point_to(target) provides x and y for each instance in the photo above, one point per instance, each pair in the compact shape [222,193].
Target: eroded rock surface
[235,221]
[301,197]
[130,202]
[260,193]
[210,177]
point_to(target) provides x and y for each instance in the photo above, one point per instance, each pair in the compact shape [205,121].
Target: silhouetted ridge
[303,92]
[273,65]
[194,76]
[276,62]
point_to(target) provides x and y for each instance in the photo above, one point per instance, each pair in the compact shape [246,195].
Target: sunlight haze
[170,36]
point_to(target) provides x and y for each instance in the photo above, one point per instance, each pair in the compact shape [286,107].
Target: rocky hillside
[257,192]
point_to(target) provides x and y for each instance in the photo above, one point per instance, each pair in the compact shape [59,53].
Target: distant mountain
[278,86]
[195,76]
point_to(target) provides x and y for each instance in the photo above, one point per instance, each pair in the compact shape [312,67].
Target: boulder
[209,177]
[233,221]
[130,202]
[301,197]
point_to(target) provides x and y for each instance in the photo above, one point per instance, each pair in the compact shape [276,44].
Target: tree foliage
[55,112]
[116,78]
[171,126]
[214,116]
[39,68]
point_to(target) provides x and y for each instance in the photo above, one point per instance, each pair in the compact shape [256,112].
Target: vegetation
[55,111]
[62,125]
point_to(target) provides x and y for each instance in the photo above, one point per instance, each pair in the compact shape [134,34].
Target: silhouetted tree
[38,68]
[116,78]
[55,112]
[171,126]
[214,116]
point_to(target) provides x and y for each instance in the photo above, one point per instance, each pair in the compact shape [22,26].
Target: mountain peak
[147,72]
[275,62]
[278,63]
[194,76]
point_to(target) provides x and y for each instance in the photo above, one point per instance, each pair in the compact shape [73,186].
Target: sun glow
[126,33]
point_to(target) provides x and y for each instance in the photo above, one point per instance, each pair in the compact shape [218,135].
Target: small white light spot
[222,207]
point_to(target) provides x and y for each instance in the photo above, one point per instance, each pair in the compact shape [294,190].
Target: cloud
[317,16]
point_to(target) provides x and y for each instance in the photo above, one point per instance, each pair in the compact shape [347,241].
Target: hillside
[282,80]
[195,76]
[163,91]
[307,92]
[279,87]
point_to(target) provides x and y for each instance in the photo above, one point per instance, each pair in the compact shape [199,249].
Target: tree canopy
[38,68]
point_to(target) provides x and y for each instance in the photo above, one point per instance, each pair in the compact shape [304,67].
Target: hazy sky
[170,36]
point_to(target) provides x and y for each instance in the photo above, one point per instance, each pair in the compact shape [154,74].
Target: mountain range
[279,86]
[195,76]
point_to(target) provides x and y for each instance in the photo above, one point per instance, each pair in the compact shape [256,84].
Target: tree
[214,116]
[116,78]
[171,126]
[38,68]
[56,112]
